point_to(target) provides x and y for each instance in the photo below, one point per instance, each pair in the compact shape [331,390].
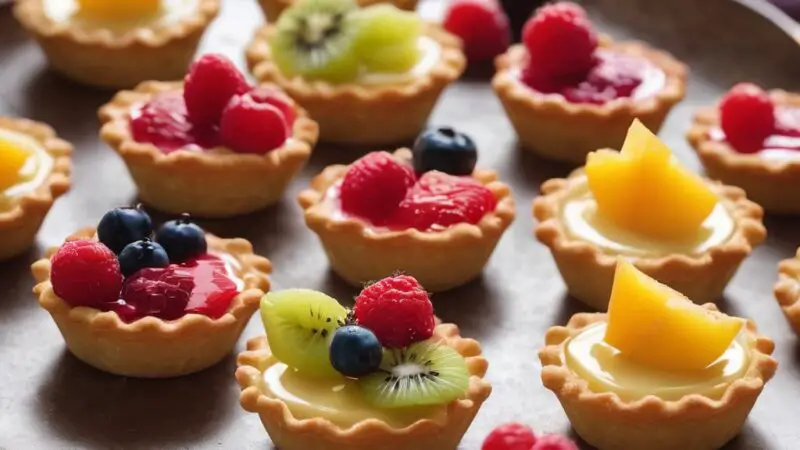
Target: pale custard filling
[33,174]
[602,366]
[69,11]
[582,221]
[430,52]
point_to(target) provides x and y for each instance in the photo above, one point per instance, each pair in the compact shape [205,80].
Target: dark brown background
[48,399]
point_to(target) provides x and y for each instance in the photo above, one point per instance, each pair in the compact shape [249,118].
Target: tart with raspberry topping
[752,140]
[379,216]
[385,375]
[118,43]
[568,91]
[273,8]
[212,146]
[35,168]
[137,303]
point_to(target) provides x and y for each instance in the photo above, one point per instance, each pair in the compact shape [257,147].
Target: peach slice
[12,160]
[119,9]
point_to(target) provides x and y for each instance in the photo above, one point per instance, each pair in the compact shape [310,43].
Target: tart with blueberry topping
[568,92]
[384,375]
[212,146]
[118,43]
[428,213]
[273,8]
[137,303]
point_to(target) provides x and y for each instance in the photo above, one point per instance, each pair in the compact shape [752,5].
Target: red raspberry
[512,436]
[211,82]
[560,41]
[278,99]
[249,126]
[439,200]
[482,26]
[374,185]
[397,309]
[554,442]
[86,273]
[747,116]
[158,292]
[163,123]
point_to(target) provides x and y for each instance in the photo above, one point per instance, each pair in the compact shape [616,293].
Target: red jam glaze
[786,136]
[164,122]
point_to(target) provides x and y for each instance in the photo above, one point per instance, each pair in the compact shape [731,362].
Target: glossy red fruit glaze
[397,309]
[163,122]
[279,100]
[747,116]
[249,126]
[554,442]
[214,290]
[86,273]
[513,436]
[439,200]
[208,87]
[374,185]
[482,25]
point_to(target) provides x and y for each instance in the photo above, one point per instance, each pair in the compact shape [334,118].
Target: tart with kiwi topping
[383,375]
[273,8]
[368,75]
[143,302]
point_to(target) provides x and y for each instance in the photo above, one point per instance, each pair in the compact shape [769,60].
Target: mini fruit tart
[35,168]
[118,43]
[440,224]
[568,92]
[384,375]
[787,290]
[369,76]
[212,146]
[274,8]
[137,303]
[688,383]
[752,140]
[678,228]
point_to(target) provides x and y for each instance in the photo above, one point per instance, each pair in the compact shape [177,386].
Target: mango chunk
[658,327]
[119,9]
[12,160]
[643,189]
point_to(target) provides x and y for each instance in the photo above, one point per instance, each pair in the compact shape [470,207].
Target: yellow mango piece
[643,189]
[658,327]
[119,9]
[12,160]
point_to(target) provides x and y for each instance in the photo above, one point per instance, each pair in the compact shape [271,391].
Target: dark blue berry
[182,239]
[355,351]
[121,226]
[141,255]
[446,150]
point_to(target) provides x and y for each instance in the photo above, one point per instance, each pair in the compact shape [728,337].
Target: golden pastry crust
[787,290]
[440,260]
[290,433]
[215,183]
[555,128]
[695,422]
[589,272]
[273,8]
[98,57]
[151,347]
[19,225]
[770,183]
[354,114]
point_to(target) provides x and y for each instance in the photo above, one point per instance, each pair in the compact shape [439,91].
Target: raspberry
[249,126]
[158,292]
[163,123]
[554,442]
[512,436]
[560,41]
[482,26]
[747,116]
[374,186]
[278,99]
[86,273]
[397,309]
[439,200]
[211,82]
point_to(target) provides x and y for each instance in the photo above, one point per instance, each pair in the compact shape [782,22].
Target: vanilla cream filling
[777,147]
[69,11]
[33,174]
[430,52]
[606,370]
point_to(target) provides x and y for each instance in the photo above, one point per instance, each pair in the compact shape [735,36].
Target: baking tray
[50,400]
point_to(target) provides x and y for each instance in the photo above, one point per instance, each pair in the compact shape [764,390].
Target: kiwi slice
[300,324]
[425,373]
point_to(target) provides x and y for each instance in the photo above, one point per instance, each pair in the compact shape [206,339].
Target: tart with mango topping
[273,8]
[688,383]
[678,228]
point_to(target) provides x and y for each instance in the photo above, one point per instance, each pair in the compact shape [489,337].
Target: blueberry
[446,150]
[182,239]
[121,226]
[140,255]
[355,351]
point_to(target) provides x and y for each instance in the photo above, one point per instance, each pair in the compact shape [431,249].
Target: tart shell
[99,58]
[214,183]
[557,129]
[695,422]
[352,114]
[787,290]
[588,271]
[273,8]
[151,347]
[290,433]
[19,225]
[440,260]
